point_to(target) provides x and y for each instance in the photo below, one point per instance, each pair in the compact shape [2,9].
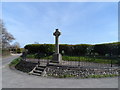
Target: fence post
[111,63]
[24,55]
[48,61]
[79,62]
[111,58]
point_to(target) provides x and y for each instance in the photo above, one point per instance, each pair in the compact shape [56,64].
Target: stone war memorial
[48,61]
[60,44]
[57,56]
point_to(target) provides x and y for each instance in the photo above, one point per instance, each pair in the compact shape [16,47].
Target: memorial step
[41,66]
[38,70]
[36,74]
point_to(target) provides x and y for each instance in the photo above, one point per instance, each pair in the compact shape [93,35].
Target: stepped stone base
[57,58]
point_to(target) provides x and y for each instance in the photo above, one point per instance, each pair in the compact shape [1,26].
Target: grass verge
[15,62]
[89,76]
[102,76]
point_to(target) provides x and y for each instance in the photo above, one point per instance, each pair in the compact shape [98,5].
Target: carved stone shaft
[57,56]
[56,34]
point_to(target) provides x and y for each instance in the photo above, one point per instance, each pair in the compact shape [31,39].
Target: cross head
[56,33]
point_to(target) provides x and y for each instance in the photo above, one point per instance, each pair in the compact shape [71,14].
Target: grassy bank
[15,62]
[22,65]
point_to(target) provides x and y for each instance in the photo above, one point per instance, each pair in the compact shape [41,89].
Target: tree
[6,36]
[16,45]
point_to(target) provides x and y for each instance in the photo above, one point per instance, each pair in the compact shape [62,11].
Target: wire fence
[75,61]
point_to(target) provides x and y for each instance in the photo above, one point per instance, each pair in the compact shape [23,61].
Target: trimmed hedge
[49,49]
[108,49]
[40,48]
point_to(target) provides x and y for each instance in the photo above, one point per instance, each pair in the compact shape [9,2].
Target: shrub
[18,50]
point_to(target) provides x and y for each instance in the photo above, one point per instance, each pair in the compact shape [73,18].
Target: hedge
[106,49]
[40,48]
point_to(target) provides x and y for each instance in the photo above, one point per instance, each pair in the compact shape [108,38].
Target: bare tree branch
[6,36]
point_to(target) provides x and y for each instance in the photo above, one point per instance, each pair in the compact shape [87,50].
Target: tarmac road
[17,79]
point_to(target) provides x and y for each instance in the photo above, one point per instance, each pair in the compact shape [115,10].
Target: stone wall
[63,72]
[25,66]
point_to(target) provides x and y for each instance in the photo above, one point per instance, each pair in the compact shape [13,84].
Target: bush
[18,50]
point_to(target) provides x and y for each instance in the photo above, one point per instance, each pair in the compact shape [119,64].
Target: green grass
[31,56]
[89,59]
[80,58]
[34,57]
[102,76]
[90,76]
[66,76]
[15,62]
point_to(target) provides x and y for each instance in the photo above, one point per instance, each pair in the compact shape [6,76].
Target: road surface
[17,79]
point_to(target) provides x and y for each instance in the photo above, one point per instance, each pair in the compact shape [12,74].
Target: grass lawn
[81,58]
[90,59]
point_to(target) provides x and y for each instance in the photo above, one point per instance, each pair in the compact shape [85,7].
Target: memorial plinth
[57,57]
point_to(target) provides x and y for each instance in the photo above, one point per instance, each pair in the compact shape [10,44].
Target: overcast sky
[80,22]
